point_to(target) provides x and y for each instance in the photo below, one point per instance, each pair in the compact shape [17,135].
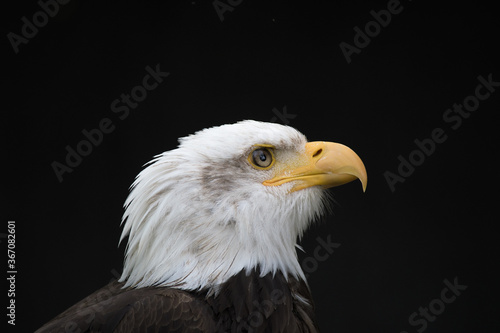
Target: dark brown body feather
[245,303]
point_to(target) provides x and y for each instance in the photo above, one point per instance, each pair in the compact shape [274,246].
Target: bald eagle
[212,229]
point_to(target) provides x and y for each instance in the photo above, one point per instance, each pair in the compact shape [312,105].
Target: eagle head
[229,198]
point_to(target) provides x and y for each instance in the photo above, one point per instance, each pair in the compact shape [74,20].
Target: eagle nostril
[319,151]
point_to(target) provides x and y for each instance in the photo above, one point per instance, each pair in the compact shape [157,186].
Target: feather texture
[245,303]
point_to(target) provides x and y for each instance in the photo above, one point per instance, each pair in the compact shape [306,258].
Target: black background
[396,247]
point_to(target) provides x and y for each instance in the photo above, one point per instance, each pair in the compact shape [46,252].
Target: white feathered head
[229,198]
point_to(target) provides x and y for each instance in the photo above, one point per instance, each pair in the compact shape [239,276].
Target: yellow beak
[326,164]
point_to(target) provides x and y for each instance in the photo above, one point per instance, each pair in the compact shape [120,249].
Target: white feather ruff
[199,214]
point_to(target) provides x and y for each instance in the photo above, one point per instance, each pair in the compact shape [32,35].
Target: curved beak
[327,164]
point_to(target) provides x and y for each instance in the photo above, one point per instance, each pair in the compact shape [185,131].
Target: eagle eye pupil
[262,157]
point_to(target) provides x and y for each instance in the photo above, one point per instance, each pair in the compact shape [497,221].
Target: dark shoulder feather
[247,302]
[113,309]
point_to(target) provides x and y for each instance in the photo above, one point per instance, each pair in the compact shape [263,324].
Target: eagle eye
[261,158]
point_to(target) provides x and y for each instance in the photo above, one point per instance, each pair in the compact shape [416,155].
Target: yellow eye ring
[261,158]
